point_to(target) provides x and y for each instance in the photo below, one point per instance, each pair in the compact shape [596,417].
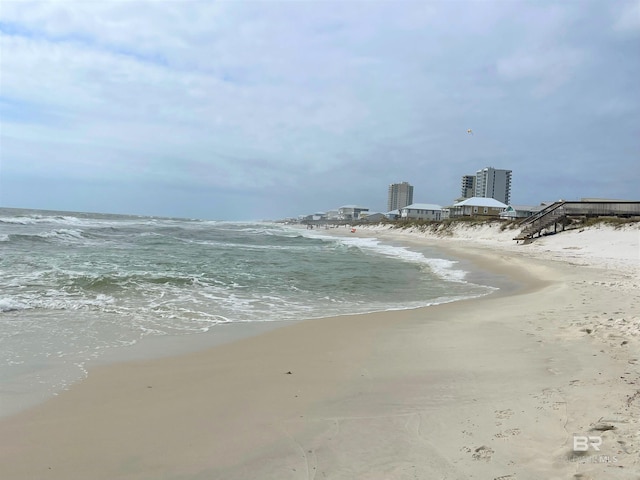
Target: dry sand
[491,388]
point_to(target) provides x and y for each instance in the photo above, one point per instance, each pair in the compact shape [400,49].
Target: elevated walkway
[557,214]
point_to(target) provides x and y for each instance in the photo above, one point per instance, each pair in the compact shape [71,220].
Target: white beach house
[421,211]
[351,212]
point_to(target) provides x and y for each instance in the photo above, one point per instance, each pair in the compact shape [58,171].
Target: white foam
[64,233]
[443,268]
[37,219]
[54,300]
[19,220]
[11,305]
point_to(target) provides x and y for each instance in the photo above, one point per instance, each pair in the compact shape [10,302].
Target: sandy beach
[538,381]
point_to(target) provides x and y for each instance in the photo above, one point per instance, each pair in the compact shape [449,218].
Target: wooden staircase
[551,215]
[559,212]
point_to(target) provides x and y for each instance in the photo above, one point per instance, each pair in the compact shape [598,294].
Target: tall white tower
[494,183]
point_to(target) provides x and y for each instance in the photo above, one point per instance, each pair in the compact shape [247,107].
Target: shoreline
[160,346]
[489,386]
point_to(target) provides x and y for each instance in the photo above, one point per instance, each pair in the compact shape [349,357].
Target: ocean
[76,286]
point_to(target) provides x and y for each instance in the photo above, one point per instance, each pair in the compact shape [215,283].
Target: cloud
[627,17]
[547,70]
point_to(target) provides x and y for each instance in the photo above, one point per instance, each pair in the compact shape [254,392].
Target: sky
[249,110]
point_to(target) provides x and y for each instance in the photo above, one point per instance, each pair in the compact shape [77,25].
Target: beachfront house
[477,206]
[515,212]
[332,215]
[351,212]
[372,217]
[421,211]
[393,215]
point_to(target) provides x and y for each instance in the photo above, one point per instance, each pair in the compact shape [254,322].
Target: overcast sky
[261,110]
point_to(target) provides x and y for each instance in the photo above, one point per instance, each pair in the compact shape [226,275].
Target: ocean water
[75,285]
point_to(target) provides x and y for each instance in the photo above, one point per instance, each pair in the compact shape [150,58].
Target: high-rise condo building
[468,186]
[400,195]
[494,183]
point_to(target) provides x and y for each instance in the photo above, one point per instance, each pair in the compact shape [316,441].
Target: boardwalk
[558,212]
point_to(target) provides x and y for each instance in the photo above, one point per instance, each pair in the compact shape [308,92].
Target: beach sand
[489,388]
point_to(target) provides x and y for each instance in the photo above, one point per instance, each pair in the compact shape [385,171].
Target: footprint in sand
[504,413]
[512,432]
[483,453]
